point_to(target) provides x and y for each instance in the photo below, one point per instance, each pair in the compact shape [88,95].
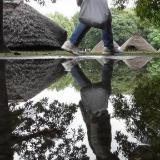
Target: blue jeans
[82,29]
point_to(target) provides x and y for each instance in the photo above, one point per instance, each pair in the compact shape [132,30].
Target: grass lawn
[64,53]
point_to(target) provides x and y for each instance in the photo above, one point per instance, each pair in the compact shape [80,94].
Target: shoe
[68,65]
[69,47]
[112,51]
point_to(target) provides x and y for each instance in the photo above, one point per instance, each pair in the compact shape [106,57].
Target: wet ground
[103,108]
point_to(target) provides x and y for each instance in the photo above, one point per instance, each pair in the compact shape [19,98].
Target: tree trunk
[3,47]
[5,120]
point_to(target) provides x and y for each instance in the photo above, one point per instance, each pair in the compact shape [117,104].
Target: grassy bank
[64,53]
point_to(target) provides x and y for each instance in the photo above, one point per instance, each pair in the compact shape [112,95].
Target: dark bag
[94,13]
[94,98]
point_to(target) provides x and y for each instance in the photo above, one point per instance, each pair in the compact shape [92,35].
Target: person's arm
[79,2]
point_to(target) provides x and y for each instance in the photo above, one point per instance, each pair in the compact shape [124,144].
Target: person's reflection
[93,105]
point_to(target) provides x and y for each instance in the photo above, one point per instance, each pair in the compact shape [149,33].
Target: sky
[66,7]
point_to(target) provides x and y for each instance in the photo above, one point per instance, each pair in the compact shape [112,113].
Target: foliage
[41,125]
[62,83]
[124,25]
[153,68]
[125,146]
[92,69]
[124,79]
[154,37]
[68,150]
[148,9]
[63,21]
[142,114]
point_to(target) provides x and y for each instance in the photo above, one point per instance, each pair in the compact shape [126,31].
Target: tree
[6,151]
[37,132]
[63,21]
[146,10]
[3,47]
[154,37]
[124,25]
[142,115]
[153,68]
[31,130]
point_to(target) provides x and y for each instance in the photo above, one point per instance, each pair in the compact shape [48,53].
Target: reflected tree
[90,68]
[38,130]
[5,118]
[3,47]
[42,132]
[142,115]
[62,83]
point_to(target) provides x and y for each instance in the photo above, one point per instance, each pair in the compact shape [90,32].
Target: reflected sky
[74,97]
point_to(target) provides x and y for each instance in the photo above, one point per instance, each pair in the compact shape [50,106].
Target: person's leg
[107,35]
[79,76]
[107,75]
[79,33]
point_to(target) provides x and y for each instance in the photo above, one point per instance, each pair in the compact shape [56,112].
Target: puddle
[100,109]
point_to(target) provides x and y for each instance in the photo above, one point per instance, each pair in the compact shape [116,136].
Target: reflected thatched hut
[137,43]
[26,78]
[27,29]
[137,63]
[99,47]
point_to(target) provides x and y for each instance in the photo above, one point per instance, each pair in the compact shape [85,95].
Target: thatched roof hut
[27,29]
[137,43]
[100,45]
[26,78]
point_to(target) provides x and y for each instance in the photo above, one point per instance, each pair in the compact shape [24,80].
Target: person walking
[85,24]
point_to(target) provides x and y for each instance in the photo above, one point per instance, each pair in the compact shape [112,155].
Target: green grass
[64,53]
[35,53]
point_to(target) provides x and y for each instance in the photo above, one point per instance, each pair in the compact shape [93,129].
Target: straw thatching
[137,43]
[137,63]
[27,29]
[99,47]
[26,78]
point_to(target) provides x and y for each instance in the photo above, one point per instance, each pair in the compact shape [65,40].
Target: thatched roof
[137,63]
[27,29]
[26,78]
[137,43]
[100,45]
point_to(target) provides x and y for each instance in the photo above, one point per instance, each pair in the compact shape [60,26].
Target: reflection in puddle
[110,112]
